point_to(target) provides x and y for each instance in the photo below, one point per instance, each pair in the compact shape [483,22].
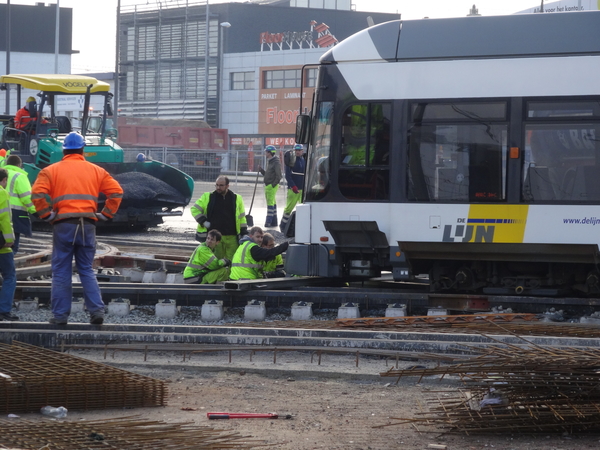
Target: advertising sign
[565,6]
[278,108]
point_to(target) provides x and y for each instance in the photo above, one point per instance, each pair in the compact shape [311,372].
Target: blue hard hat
[298,147]
[141,157]
[73,141]
[270,148]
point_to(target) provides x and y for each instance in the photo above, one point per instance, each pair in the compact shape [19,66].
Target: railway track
[150,253]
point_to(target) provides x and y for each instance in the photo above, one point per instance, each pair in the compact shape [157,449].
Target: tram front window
[317,170]
[365,151]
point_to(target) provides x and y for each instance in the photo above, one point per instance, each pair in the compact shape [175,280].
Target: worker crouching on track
[274,267]
[65,194]
[204,267]
[246,264]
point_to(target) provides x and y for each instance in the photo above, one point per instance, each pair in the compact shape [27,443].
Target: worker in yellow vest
[246,263]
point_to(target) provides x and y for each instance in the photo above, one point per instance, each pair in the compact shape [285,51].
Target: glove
[101,217]
[206,224]
[295,189]
[226,262]
[50,217]
[283,247]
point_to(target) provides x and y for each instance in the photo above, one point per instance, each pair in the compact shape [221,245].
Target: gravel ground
[335,405]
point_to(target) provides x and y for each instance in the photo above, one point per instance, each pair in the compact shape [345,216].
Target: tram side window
[561,161]
[457,152]
[365,151]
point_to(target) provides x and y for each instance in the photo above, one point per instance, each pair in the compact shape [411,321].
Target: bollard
[156,276]
[77,305]
[174,278]
[439,311]
[348,311]
[166,309]
[212,311]
[255,311]
[301,311]
[395,310]
[29,304]
[119,307]
[135,274]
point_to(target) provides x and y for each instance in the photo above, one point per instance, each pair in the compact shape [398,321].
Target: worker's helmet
[299,147]
[29,100]
[140,157]
[73,141]
[271,149]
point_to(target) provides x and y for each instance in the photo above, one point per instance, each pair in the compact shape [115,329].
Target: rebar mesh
[516,388]
[32,377]
[126,433]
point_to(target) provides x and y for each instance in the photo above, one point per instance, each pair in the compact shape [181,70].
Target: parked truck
[152,189]
[191,145]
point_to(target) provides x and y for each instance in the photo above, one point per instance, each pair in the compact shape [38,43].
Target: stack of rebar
[32,377]
[127,433]
[516,388]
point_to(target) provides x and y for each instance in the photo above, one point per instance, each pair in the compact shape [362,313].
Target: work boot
[8,317]
[55,321]
[97,318]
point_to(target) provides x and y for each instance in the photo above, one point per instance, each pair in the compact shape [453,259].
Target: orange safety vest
[22,118]
[72,186]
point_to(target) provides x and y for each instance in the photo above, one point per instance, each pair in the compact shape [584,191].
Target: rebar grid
[32,377]
[125,433]
[516,388]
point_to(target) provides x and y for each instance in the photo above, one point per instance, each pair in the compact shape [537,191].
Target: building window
[279,79]
[241,81]
[311,78]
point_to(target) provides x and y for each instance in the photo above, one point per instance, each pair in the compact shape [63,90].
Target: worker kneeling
[274,267]
[246,263]
[204,267]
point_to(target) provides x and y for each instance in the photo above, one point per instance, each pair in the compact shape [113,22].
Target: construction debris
[123,433]
[435,320]
[32,378]
[514,388]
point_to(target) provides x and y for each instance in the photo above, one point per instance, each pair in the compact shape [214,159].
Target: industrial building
[234,65]
[28,38]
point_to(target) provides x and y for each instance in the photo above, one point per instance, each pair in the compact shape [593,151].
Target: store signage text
[276,115]
[318,36]
[280,141]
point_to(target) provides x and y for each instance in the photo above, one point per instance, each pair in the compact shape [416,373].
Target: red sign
[280,141]
[289,40]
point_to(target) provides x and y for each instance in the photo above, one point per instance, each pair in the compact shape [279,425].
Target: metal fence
[202,165]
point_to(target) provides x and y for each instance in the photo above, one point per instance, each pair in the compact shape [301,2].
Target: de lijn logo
[468,233]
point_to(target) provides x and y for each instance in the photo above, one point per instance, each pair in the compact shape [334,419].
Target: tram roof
[518,35]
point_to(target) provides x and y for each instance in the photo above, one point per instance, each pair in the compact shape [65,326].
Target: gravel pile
[138,186]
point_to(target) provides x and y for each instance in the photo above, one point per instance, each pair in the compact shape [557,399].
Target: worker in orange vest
[72,186]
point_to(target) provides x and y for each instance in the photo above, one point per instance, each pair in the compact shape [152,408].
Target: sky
[94,21]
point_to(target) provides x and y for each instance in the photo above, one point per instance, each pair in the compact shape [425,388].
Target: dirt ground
[335,405]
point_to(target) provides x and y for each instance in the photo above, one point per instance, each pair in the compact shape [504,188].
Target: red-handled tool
[225,415]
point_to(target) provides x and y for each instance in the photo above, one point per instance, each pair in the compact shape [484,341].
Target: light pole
[223,26]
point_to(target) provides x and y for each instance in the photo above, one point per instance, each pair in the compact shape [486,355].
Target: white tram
[466,149]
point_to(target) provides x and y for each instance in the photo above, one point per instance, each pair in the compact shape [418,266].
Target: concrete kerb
[48,335]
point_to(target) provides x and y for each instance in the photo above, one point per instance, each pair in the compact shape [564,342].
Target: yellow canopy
[66,84]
